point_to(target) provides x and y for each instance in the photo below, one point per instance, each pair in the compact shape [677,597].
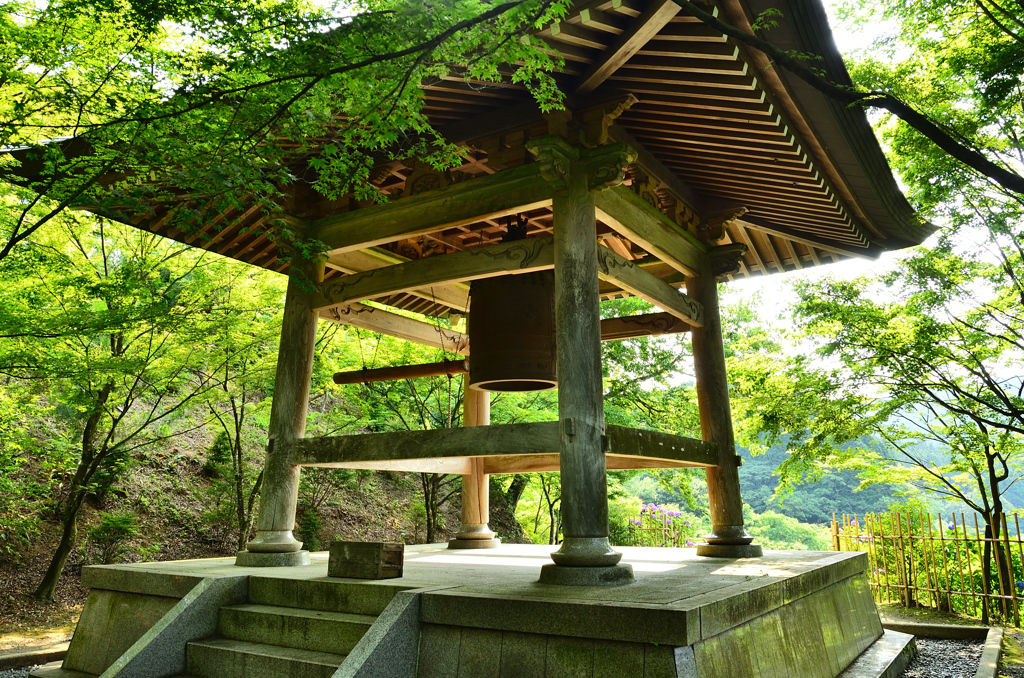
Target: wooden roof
[798,179]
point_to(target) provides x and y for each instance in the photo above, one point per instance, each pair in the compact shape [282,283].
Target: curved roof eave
[846,144]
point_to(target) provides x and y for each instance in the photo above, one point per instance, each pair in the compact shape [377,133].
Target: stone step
[329,595]
[885,658]
[227,658]
[334,632]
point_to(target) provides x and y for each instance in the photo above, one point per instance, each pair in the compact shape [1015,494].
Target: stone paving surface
[662,575]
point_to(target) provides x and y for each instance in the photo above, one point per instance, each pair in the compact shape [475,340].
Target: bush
[307,528]
[110,537]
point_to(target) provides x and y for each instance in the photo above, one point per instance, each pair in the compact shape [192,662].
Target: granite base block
[289,559]
[561,575]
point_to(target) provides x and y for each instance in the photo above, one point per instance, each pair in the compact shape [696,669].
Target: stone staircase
[269,636]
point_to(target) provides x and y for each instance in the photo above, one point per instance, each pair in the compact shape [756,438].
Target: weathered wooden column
[585,557]
[728,538]
[274,544]
[475,533]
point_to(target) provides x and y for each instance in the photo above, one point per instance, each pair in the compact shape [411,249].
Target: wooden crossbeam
[632,278]
[520,256]
[629,215]
[507,448]
[454,296]
[392,324]
[647,325]
[511,191]
[628,43]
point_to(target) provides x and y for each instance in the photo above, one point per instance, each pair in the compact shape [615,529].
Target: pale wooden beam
[749,242]
[454,296]
[544,463]
[392,324]
[520,256]
[628,43]
[754,223]
[454,465]
[787,244]
[629,215]
[630,277]
[511,191]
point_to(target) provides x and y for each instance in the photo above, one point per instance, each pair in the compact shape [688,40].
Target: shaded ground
[175,503]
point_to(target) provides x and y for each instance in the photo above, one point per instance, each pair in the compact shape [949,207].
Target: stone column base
[287,559]
[582,552]
[474,543]
[563,575]
[730,550]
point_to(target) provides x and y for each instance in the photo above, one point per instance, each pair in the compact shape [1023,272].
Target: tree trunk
[90,461]
[68,537]
[993,532]
[430,504]
[515,490]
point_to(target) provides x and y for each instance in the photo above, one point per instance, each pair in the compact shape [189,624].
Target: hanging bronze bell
[512,333]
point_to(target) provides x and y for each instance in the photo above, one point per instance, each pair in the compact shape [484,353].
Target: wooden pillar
[580,389]
[475,533]
[280,489]
[728,538]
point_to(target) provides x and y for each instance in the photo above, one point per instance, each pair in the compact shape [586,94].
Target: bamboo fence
[920,560]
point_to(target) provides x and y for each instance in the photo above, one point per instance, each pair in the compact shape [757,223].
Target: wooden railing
[920,560]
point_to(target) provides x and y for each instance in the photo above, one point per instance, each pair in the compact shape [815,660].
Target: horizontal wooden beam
[519,256]
[363,376]
[453,296]
[392,324]
[648,325]
[630,216]
[507,448]
[635,280]
[511,191]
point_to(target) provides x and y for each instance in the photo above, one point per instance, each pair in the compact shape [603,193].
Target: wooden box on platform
[365,560]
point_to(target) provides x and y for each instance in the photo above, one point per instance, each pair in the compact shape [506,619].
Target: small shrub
[307,528]
[417,515]
[111,536]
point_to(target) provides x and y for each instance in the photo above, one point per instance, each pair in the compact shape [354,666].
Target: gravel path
[943,659]
[935,659]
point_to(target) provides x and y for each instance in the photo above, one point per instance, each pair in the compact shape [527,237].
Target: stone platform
[478,614]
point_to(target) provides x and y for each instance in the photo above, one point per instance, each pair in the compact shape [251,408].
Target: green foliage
[307,527]
[220,100]
[776,531]
[661,526]
[21,495]
[836,492]
[417,515]
[111,536]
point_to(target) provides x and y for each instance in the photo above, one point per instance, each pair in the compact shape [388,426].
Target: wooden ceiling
[801,182]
